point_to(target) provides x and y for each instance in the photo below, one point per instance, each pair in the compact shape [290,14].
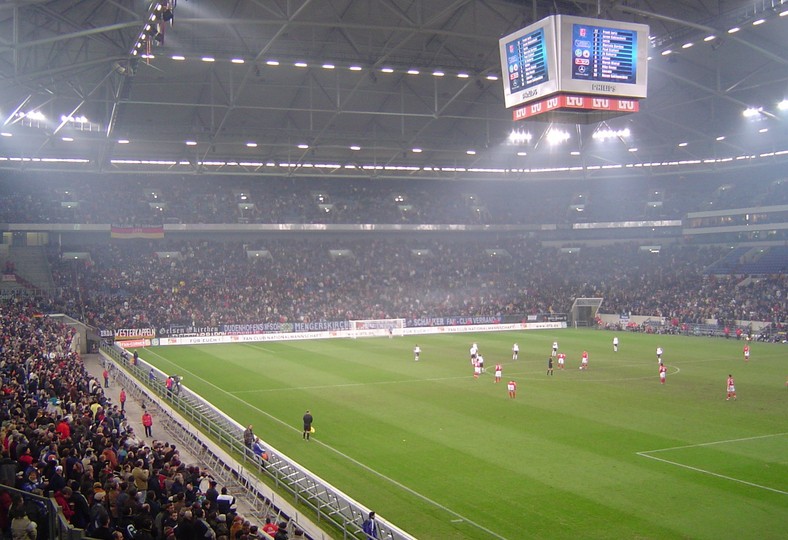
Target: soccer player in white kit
[615,344]
[416,353]
[555,348]
[659,355]
[474,351]
[515,351]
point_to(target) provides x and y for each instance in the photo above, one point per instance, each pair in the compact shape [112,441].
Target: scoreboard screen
[579,55]
[527,61]
[604,54]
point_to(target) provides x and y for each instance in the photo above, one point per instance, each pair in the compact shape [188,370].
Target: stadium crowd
[83,199]
[208,283]
[62,437]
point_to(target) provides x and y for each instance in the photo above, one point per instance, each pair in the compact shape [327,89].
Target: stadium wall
[291,336]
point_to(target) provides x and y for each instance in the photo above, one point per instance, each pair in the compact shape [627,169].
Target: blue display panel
[604,54]
[527,62]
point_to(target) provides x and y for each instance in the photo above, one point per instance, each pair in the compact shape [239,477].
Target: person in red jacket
[63,498]
[270,528]
[122,400]
[63,429]
[147,422]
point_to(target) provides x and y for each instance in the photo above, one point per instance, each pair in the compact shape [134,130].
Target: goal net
[584,311]
[377,327]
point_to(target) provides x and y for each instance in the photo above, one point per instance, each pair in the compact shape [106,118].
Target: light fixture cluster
[273,62]
[757,15]
[520,137]
[607,133]
[220,164]
[556,136]
[160,16]
[757,112]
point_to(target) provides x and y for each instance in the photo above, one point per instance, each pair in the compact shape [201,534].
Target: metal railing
[332,509]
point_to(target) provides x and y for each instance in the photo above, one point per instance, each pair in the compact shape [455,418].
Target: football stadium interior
[240,193]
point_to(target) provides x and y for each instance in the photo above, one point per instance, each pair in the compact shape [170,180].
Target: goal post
[377,328]
[584,311]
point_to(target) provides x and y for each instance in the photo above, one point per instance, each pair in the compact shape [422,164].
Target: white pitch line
[704,471]
[727,441]
[647,454]
[352,460]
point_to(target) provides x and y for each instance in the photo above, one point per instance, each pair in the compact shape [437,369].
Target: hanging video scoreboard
[578,55]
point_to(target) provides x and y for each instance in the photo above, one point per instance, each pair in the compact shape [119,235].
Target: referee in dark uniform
[307,425]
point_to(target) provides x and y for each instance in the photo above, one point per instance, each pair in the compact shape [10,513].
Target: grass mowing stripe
[704,471]
[369,469]
[560,461]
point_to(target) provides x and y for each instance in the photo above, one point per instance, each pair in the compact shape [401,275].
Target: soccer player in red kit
[731,388]
[498,372]
[584,360]
[512,387]
[663,371]
[747,352]
[561,360]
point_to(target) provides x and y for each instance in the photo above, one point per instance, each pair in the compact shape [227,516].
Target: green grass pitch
[603,453]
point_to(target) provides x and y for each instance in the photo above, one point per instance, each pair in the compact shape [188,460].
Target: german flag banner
[137,231]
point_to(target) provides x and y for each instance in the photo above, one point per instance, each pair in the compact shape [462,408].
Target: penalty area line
[710,473]
[647,454]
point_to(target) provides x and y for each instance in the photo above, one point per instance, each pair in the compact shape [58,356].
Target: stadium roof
[368,87]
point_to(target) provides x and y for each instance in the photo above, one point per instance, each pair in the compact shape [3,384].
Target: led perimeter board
[577,55]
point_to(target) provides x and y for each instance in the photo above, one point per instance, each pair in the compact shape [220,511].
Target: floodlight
[556,136]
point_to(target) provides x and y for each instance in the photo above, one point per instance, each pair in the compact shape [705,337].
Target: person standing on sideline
[308,424]
[105,374]
[615,343]
[731,388]
[370,526]
[416,353]
[498,372]
[147,423]
[663,372]
[122,400]
[248,436]
[550,365]
[511,386]
[515,351]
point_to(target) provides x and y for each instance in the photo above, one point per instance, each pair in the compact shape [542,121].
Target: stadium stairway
[32,266]
[256,509]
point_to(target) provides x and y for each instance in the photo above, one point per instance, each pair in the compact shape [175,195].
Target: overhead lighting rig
[160,16]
